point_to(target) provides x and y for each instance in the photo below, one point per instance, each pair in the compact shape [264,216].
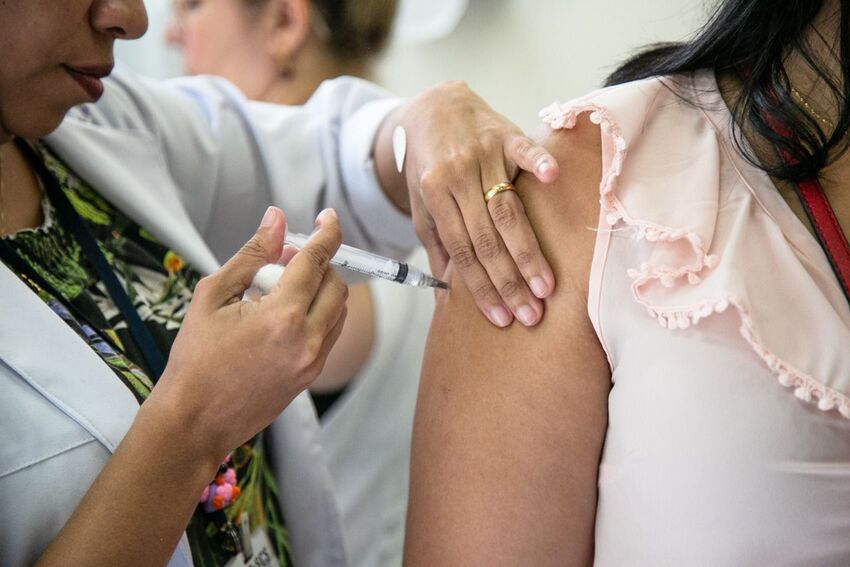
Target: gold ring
[496,189]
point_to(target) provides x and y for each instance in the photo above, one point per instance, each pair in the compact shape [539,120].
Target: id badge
[257,550]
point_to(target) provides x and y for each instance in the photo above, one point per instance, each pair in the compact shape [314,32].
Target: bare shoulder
[565,213]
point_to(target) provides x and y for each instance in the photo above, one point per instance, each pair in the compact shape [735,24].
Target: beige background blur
[520,55]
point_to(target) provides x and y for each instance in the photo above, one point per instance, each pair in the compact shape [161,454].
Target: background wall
[520,55]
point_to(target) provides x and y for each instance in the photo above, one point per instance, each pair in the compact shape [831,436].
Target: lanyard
[72,221]
[821,216]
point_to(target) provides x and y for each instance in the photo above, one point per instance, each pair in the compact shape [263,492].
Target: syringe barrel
[356,260]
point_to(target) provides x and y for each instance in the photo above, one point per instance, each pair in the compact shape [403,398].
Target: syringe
[373,265]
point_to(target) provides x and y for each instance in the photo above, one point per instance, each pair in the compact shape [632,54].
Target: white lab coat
[195,164]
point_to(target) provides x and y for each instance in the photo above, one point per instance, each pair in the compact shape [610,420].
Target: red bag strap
[829,233]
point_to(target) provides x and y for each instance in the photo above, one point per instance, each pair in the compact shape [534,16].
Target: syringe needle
[373,265]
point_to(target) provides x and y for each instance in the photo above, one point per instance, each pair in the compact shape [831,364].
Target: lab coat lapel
[126,168]
[73,378]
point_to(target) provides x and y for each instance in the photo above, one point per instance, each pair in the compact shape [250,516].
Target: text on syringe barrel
[360,261]
[391,270]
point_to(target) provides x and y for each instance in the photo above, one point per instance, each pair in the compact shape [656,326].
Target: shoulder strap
[832,238]
[821,216]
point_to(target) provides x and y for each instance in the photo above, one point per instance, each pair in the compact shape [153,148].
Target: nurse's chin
[32,122]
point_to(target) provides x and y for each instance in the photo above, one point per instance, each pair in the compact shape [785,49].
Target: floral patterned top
[160,285]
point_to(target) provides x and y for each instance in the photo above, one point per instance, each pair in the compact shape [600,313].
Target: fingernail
[527,315]
[539,287]
[500,317]
[544,166]
[324,212]
[268,218]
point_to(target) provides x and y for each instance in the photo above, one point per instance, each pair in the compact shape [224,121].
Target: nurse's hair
[353,30]
[753,38]
[358,28]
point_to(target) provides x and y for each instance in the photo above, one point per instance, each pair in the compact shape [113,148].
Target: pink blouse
[728,338]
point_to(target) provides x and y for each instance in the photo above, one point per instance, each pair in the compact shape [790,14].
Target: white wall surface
[149,55]
[520,55]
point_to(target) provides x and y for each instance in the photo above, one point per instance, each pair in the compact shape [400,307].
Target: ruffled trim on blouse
[692,268]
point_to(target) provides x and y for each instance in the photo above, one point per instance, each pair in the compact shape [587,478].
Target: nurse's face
[227,38]
[53,54]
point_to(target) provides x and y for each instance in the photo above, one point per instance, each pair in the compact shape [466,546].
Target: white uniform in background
[366,434]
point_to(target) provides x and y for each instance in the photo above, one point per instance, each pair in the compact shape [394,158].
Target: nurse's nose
[123,19]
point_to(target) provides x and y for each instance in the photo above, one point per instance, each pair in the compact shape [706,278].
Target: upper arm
[510,422]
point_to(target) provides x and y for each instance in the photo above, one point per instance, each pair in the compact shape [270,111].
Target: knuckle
[335,286]
[509,289]
[481,291]
[465,156]
[462,255]
[233,289]
[524,258]
[288,321]
[318,255]
[341,288]
[430,180]
[254,248]
[454,166]
[488,245]
[453,87]
[204,287]
[311,351]
[490,140]
[276,331]
[524,146]
[504,215]
[423,230]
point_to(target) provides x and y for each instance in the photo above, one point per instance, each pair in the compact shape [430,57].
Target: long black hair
[753,38]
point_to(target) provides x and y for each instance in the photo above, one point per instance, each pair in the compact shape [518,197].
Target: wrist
[177,428]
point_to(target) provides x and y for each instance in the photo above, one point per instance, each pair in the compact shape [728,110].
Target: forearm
[140,504]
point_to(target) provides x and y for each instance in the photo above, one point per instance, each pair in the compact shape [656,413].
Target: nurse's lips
[89,78]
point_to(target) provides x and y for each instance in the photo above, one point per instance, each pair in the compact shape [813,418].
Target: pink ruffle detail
[805,387]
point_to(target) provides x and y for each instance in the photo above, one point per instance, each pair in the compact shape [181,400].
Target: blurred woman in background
[280,51]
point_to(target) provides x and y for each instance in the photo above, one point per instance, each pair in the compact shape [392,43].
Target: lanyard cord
[72,221]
